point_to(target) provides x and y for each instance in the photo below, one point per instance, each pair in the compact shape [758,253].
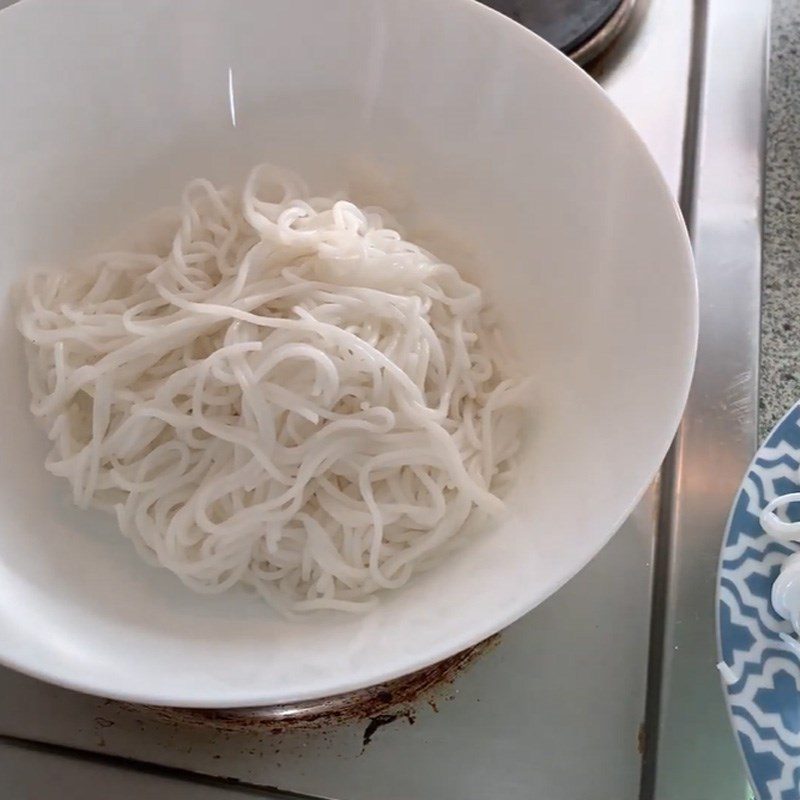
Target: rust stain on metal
[641,740]
[385,719]
[377,705]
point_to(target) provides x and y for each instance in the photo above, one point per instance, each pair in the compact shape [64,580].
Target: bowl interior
[491,148]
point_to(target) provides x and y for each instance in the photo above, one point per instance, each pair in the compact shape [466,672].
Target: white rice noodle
[290,396]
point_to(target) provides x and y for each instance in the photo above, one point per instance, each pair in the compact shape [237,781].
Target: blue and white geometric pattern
[763,685]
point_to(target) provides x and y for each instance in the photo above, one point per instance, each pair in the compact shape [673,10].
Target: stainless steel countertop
[694,754]
[31,772]
[559,721]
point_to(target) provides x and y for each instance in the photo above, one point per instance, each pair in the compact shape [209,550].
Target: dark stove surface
[566,24]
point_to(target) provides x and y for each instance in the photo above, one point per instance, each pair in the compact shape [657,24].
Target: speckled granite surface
[780,326]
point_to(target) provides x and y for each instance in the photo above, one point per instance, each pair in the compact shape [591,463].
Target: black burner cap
[566,24]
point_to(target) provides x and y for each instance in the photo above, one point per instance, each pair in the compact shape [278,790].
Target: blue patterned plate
[761,672]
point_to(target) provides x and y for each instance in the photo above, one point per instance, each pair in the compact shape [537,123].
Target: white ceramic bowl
[489,137]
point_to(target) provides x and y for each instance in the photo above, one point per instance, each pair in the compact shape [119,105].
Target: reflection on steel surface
[695,754]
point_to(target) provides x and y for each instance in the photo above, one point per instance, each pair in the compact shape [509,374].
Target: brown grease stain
[377,705]
[641,740]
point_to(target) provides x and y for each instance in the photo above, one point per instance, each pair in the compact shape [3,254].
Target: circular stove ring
[581,29]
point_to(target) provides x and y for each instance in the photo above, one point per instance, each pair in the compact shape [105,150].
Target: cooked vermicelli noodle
[288,395]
